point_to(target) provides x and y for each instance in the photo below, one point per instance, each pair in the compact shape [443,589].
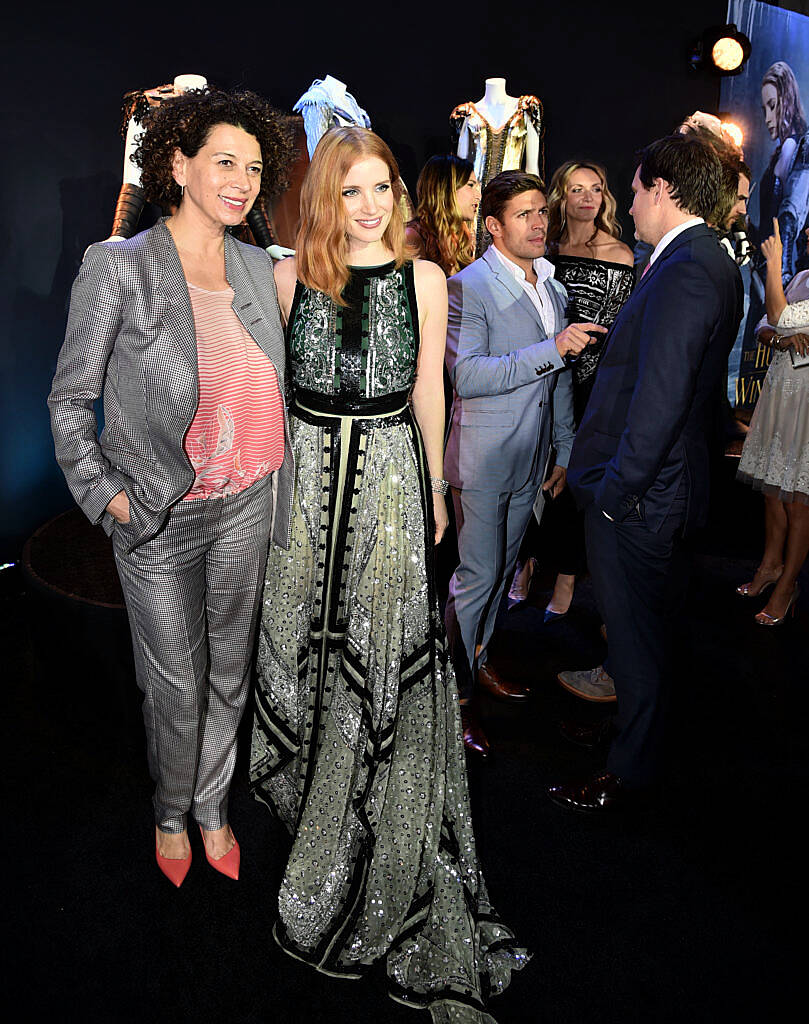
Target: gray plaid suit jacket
[130,336]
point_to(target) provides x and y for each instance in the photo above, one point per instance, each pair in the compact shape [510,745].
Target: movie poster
[768,101]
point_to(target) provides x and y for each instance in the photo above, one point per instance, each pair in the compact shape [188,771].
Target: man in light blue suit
[507,341]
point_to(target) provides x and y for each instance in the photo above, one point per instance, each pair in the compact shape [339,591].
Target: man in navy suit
[640,465]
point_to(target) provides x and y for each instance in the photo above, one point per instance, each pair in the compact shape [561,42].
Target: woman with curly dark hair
[178,328]
[448,200]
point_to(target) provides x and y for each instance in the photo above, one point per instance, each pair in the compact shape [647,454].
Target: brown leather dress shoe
[586,734]
[474,738]
[498,687]
[597,795]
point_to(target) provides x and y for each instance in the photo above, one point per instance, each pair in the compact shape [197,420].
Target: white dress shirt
[537,293]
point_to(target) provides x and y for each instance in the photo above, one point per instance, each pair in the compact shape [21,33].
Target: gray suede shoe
[589,684]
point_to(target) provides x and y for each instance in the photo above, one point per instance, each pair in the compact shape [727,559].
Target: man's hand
[574,338]
[556,482]
[118,508]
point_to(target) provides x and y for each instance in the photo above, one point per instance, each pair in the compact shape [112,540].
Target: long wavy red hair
[322,244]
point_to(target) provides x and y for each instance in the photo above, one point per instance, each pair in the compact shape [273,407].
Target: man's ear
[660,188]
[493,226]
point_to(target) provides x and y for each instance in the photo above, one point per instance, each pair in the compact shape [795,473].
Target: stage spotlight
[734,132]
[722,49]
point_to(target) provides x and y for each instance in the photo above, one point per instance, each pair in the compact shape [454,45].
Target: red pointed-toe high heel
[175,870]
[229,864]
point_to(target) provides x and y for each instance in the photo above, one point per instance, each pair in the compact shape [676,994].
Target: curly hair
[605,219]
[789,109]
[185,123]
[322,243]
[446,238]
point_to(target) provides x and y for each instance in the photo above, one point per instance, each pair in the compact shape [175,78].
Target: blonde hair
[446,237]
[322,243]
[605,218]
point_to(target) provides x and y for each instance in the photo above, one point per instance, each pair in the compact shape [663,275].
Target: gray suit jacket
[510,396]
[130,336]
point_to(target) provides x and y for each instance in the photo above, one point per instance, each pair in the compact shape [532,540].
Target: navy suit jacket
[643,439]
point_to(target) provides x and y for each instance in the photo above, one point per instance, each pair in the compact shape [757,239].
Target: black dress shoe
[586,734]
[600,794]
[500,688]
[474,738]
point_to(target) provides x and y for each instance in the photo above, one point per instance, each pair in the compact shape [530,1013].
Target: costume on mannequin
[131,198]
[327,103]
[136,104]
[499,133]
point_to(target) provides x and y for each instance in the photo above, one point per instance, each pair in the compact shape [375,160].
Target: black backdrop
[610,80]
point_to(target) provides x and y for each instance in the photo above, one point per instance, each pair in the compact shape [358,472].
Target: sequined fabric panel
[378,346]
[596,292]
[312,354]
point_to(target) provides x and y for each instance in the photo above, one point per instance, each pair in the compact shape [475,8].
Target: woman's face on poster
[769,104]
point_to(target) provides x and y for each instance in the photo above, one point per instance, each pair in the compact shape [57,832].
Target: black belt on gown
[305,401]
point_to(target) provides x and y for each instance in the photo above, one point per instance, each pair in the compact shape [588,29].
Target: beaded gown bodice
[362,351]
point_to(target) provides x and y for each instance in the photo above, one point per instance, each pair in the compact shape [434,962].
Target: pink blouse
[237,434]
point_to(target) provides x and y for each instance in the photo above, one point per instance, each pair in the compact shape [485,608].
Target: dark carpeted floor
[690,912]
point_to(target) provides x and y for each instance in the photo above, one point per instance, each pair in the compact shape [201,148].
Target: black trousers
[564,523]
[640,580]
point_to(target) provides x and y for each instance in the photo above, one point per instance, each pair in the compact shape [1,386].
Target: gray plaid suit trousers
[192,594]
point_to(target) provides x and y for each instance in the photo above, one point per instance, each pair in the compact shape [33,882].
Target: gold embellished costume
[494,149]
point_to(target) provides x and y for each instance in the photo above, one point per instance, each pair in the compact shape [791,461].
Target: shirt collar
[542,268]
[671,235]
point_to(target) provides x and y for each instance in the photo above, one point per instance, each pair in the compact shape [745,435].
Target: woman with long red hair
[357,741]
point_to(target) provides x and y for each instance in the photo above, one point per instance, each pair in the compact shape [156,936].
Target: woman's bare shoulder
[428,274]
[286,272]
[613,250]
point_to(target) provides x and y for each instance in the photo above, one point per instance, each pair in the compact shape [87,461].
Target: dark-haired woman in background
[596,268]
[179,329]
[448,199]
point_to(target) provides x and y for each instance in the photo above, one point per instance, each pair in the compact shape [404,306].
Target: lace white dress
[775,457]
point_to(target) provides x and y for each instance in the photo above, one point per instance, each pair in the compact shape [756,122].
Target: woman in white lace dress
[775,457]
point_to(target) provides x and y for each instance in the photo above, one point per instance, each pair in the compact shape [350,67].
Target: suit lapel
[685,236]
[172,287]
[558,305]
[672,247]
[246,303]
[512,285]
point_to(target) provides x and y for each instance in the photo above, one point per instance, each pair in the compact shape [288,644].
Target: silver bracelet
[438,485]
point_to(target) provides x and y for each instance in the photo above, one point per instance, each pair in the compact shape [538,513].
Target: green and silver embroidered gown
[357,742]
